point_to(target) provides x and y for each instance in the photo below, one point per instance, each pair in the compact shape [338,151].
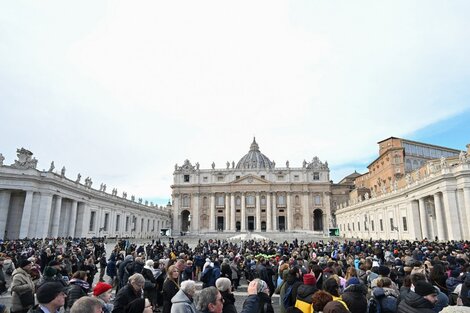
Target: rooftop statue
[25,159]
[2,158]
[52,167]
[62,172]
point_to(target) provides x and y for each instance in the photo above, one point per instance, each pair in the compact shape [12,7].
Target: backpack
[373,306]
[287,298]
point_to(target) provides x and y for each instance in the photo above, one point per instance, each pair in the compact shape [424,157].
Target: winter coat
[20,284]
[125,296]
[170,288]
[111,270]
[387,298]
[182,304]
[414,303]
[465,290]
[229,302]
[77,289]
[355,297]
[335,307]
[304,298]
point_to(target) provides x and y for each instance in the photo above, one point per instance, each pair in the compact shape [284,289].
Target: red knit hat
[101,288]
[309,279]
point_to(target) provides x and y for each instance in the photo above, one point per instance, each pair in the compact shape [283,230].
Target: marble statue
[228,164]
[176,166]
[79,176]
[124,195]
[384,189]
[197,165]
[443,162]
[287,163]
[25,159]
[146,202]
[52,167]
[151,203]
[274,164]
[62,172]
[140,200]
[213,165]
[104,187]
[2,158]
[304,164]
[462,157]
[132,198]
[395,185]
[233,164]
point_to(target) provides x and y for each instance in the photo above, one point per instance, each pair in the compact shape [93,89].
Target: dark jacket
[387,298]
[464,292]
[124,296]
[414,303]
[170,288]
[257,303]
[355,298]
[111,270]
[75,291]
[229,302]
[335,307]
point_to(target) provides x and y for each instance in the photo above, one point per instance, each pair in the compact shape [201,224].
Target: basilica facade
[255,195]
[40,204]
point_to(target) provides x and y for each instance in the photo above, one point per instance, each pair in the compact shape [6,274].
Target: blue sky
[121,91]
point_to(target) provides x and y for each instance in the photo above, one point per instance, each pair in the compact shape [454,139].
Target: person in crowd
[22,288]
[320,299]
[139,306]
[3,281]
[86,305]
[331,285]
[111,269]
[292,284]
[188,271]
[422,299]
[385,295]
[209,300]
[354,295]
[224,286]
[170,288]
[182,302]
[131,291]
[102,292]
[78,288]
[258,299]
[51,297]
[123,272]
[305,292]
[150,288]
[236,272]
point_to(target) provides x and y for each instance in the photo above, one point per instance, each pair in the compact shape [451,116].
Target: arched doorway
[220,223]
[185,221]
[251,223]
[318,220]
[238,226]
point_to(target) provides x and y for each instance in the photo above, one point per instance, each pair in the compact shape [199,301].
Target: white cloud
[122,90]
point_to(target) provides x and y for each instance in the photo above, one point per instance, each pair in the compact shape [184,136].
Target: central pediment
[250,179]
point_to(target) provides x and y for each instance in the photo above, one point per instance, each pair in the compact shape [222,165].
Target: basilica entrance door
[251,223]
[318,220]
[263,226]
[281,220]
[238,226]
[220,223]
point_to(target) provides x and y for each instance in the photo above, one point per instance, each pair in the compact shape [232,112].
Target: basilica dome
[254,159]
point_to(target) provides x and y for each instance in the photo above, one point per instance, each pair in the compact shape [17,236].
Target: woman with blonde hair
[170,287]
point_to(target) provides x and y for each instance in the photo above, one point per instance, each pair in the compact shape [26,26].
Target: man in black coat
[128,293]
[422,299]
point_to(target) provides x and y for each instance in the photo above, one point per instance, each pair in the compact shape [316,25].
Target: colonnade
[36,214]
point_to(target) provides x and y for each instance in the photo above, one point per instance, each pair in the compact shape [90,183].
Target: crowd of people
[360,276]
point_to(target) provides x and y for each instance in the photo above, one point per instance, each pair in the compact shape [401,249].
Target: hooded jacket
[182,303]
[414,303]
[355,298]
[20,284]
[304,298]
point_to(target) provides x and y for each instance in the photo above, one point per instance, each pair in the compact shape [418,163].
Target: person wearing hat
[22,287]
[102,292]
[354,295]
[305,292]
[51,297]
[422,299]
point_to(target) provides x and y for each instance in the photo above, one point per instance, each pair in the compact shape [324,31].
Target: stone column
[26,217]
[439,217]
[466,200]
[243,215]
[275,226]
[289,212]
[258,213]
[44,216]
[233,210]
[212,214]
[269,217]
[56,217]
[423,218]
[176,214]
[452,214]
[306,213]
[227,212]
[195,215]
[73,219]
[4,206]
